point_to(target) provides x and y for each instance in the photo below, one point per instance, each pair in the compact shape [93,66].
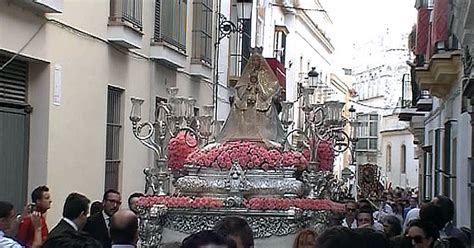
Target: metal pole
[403,90]
[216,59]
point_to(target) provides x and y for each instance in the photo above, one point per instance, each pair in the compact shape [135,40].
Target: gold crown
[257,50]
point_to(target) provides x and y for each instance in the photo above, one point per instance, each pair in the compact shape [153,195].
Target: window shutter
[156,33]
[13,81]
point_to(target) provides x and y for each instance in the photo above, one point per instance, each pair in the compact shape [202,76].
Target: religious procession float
[278,178]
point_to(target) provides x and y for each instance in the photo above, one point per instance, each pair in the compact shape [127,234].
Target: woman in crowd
[306,238]
[398,210]
[422,234]
[337,237]
[392,226]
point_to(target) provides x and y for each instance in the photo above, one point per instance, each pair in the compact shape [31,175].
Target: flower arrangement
[253,203]
[180,202]
[249,155]
[178,149]
[285,204]
[325,155]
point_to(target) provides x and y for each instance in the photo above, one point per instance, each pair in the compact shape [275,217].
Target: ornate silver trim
[264,224]
[252,183]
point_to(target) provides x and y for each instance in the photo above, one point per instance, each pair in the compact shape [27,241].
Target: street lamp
[244,9]
[353,139]
[313,76]
[354,124]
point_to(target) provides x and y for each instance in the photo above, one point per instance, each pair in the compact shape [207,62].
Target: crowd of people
[394,220]
[100,224]
[402,221]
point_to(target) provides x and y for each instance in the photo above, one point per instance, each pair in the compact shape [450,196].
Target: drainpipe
[471,161]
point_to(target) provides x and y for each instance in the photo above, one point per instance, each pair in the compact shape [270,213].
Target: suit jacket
[60,228]
[97,228]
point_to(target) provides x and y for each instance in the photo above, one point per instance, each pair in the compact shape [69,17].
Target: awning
[280,71]
[440,22]
[422,31]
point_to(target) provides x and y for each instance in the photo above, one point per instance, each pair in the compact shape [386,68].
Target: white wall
[450,109]
[396,138]
[67,142]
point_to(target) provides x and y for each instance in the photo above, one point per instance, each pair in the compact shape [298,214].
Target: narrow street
[236,123]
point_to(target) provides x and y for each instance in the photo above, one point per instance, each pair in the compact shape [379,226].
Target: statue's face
[255,61]
[253,79]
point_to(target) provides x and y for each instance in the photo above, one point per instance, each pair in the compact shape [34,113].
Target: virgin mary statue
[253,115]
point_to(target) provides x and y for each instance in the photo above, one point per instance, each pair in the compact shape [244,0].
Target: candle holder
[170,119]
[322,123]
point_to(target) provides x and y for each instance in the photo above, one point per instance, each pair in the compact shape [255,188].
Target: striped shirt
[6,242]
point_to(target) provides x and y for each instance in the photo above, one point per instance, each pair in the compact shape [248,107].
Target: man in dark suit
[124,229]
[75,210]
[98,224]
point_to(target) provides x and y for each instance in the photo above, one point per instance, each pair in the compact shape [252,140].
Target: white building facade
[382,84]
[68,71]
[442,70]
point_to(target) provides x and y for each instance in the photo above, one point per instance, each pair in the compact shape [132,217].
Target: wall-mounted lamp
[227,27]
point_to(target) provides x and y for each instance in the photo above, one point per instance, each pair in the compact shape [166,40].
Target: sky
[358,21]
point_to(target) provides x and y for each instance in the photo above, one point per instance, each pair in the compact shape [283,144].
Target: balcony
[167,55]
[200,70]
[125,23]
[42,6]
[168,46]
[440,75]
[417,128]
[406,114]
[425,102]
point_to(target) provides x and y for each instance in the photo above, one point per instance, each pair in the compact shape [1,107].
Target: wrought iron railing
[132,12]
[126,11]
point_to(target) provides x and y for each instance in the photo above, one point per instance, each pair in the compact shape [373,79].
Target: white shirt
[382,212]
[107,219]
[353,225]
[413,214]
[377,226]
[71,223]
[8,242]
[123,246]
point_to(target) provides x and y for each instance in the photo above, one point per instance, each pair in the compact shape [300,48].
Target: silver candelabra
[171,118]
[322,122]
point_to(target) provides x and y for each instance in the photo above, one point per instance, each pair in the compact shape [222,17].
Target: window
[427,173]
[403,159]
[170,22]
[239,44]
[453,170]
[202,30]
[279,44]
[113,137]
[389,158]
[449,172]
[127,11]
[437,161]
[368,132]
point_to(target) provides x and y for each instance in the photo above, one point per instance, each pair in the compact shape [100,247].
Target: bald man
[124,229]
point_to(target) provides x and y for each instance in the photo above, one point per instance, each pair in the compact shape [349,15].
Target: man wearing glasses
[98,224]
[351,213]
